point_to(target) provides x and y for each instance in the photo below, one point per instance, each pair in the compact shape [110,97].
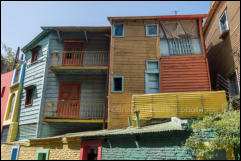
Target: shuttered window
[14,153]
[152,81]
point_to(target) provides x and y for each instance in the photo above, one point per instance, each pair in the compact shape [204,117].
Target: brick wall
[58,150]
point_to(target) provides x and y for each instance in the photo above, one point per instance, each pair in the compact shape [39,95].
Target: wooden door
[69,100]
[73,53]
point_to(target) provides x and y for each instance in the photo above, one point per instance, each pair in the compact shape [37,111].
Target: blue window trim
[112,84]
[147,33]
[15,147]
[113,30]
[21,76]
[147,70]
[224,13]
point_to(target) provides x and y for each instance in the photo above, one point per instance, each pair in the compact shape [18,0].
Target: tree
[225,126]
[9,57]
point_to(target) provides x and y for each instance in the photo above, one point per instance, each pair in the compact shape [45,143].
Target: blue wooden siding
[34,75]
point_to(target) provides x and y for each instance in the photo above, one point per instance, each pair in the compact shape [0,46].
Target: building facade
[83,78]
[222,40]
[6,80]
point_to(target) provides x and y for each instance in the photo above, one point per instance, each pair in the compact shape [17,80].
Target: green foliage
[9,57]
[225,126]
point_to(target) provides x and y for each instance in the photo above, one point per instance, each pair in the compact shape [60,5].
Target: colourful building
[10,121]
[6,80]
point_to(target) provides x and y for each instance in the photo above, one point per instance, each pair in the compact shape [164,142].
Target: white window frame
[223,14]
[147,33]
[113,30]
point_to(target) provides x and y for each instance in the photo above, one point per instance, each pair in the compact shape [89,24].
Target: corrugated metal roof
[158,128]
[168,126]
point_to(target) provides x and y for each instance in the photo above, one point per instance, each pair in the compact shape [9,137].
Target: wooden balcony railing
[75,109]
[85,58]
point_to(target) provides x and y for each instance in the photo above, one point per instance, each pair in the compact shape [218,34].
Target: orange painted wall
[184,74]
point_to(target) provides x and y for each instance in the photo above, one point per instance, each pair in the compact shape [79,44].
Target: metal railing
[75,109]
[85,58]
[180,104]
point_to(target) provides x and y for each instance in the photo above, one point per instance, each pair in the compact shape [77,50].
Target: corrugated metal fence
[181,104]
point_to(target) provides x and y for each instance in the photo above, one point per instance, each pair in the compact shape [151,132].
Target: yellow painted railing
[180,104]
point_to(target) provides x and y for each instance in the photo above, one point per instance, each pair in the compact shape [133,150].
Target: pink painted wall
[6,79]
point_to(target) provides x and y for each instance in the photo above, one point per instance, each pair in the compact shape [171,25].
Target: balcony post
[137,119]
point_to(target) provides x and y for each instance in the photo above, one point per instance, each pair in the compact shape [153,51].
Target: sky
[21,20]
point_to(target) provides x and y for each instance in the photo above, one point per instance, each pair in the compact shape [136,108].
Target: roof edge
[39,37]
[211,12]
[166,17]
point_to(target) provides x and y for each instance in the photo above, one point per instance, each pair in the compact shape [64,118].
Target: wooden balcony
[75,110]
[77,62]
[80,58]
[180,104]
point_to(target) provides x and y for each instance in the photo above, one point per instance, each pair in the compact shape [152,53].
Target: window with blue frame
[179,38]
[118,30]
[223,21]
[151,29]
[117,84]
[152,77]
[14,153]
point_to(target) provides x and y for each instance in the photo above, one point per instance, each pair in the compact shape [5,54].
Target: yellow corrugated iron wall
[180,104]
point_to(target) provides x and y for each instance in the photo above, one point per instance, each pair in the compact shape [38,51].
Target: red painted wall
[184,74]
[6,79]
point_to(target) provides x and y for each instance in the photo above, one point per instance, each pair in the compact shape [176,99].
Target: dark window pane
[92,153]
[117,84]
[14,154]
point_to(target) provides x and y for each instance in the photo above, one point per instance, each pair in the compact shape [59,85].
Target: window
[4,134]
[118,30]
[90,150]
[117,84]
[152,81]
[151,29]
[29,95]
[42,154]
[179,38]
[3,90]
[10,112]
[223,21]
[14,153]
[35,52]
[234,84]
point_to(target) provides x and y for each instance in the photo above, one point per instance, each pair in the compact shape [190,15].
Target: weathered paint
[34,75]
[6,80]
[184,74]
